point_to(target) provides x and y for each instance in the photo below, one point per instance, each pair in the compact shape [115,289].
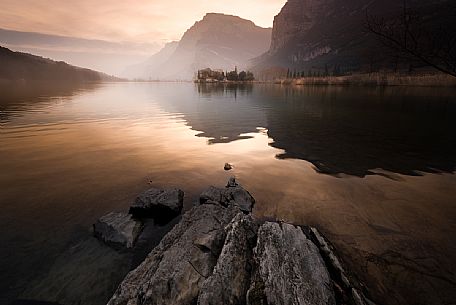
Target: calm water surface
[373,168]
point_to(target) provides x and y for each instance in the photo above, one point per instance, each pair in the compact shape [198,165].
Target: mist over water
[372,168]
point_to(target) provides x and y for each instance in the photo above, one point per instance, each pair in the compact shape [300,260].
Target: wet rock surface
[118,230]
[162,205]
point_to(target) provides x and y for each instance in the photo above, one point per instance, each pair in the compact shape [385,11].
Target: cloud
[118,20]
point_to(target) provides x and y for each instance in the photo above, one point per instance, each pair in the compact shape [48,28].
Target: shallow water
[372,168]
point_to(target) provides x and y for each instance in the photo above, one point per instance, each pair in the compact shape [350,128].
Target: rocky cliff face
[295,18]
[218,41]
[314,34]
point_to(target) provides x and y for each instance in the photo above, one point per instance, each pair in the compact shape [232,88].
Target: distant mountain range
[315,34]
[149,69]
[106,56]
[217,41]
[16,66]
[307,35]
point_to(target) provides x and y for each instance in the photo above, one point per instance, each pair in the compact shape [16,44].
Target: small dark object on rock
[232,195]
[232,182]
[228,167]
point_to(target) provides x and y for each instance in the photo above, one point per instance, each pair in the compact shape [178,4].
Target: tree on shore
[414,36]
[242,76]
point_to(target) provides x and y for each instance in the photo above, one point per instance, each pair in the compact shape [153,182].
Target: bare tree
[429,40]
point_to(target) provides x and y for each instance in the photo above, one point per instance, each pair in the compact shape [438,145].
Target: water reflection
[71,156]
[351,131]
[222,113]
[17,99]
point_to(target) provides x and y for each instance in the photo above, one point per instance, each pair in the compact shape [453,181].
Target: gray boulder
[174,272]
[118,230]
[162,205]
[289,269]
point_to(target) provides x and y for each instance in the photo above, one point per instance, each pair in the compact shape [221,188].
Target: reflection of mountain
[217,41]
[352,131]
[339,130]
[27,67]
[221,113]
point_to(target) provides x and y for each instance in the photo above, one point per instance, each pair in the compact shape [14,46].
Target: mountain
[217,41]
[317,34]
[148,69]
[26,67]
[106,56]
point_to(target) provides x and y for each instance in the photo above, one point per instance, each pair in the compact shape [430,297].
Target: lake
[372,168]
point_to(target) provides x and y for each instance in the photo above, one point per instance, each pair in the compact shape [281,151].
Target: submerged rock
[228,167]
[162,205]
[117,229]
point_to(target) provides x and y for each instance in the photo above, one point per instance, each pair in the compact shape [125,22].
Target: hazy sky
[120,20]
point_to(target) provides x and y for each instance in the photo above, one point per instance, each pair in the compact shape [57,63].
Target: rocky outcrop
[117,229]
[162,205]
[219,254]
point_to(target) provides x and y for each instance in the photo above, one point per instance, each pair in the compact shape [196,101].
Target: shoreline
[377,79]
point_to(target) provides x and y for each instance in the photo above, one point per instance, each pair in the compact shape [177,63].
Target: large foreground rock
[210,258]
[230,279]
[162,205]
[218,254]
[174,272]
[117,229]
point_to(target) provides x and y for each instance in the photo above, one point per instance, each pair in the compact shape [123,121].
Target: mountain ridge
[19,66]
[217,41]
[101,55]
